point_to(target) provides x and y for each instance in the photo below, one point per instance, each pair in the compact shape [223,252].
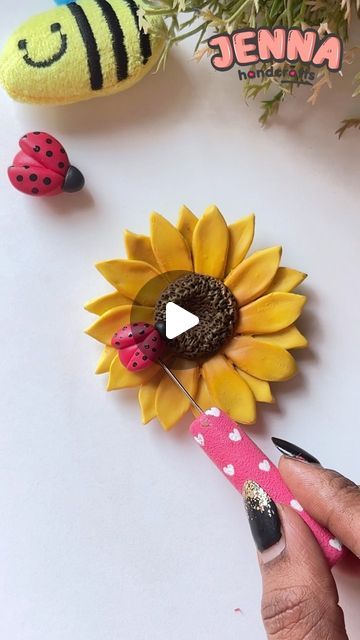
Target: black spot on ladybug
[19,178]
[124,328]
[117,343]
[62,150]
[36,133]
[154,339]
[154,350]
[33,177]
[26,166]
[36,148]
[25,136]
[61,165]
[134,364]
[142,332]
[137,353]
[35,190]
[48,140]
[144,358]
[130,335]
[47,181]
[135,324]
[146,346]
[146,324]
[115,334]
[49,154]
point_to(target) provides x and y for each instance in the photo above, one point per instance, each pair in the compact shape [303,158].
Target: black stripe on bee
[117,37]
[145,46]
[92,51]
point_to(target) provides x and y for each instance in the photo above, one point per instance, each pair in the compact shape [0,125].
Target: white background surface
[109,530]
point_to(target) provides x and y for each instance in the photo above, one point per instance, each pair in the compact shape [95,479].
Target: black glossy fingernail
[293,451]
[263,516]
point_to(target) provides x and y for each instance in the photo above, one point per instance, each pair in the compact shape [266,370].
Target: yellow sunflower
[246,303]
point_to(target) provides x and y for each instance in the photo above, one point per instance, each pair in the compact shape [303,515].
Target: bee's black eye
[56,26]
[22,44]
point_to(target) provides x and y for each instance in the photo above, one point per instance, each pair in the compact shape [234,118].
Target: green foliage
[271,107]
[350,123]
[201,18]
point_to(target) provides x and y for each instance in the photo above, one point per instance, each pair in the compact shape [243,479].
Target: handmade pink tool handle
[239,459]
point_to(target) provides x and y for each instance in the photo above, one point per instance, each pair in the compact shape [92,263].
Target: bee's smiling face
[44,59]
[76,51]
[55,30]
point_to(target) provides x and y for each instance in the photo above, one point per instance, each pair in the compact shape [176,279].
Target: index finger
[329,497]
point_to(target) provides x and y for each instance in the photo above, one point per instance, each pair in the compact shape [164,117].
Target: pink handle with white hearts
[239,459]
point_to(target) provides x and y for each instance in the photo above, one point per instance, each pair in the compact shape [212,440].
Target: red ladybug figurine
[42,167]
[139,345]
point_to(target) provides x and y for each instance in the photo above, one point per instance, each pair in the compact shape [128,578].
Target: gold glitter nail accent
[256,498]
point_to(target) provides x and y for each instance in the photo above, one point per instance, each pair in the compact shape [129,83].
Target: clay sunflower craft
[246,306]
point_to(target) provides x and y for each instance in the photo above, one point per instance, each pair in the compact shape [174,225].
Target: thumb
[332,499]
[300,598]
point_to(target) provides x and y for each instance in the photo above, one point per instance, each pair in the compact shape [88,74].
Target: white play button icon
[178,320]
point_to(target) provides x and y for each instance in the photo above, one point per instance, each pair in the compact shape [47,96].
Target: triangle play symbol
[178,320]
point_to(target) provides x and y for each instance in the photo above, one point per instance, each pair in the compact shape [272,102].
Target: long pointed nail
[263,516]
[293,451]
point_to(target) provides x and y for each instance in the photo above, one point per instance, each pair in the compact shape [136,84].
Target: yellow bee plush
[78,51]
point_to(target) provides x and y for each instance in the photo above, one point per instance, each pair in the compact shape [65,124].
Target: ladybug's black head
[74,180]
[161,327]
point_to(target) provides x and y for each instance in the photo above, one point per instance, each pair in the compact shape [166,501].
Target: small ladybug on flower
[139,345]
[42,167]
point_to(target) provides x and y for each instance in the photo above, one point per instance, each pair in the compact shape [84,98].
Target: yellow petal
[210,243]
[171,403]
[169,246]
[260,359]
[289,338]
[107,356]
[121,378]
[286,279]
[147,395]
[241,235]
[253,276]
[228,390]
[105,326]
[260,388]
[271,313]
[130,276]
[103,304]
[203,397]
[186,224]
[139,247]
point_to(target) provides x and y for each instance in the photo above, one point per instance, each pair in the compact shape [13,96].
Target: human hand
[300,599]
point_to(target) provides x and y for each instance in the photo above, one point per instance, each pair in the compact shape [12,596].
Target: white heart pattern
[199,439]
[229,470]
[296,505]
[264,465]
[335,544]
[214,411]
[234,435]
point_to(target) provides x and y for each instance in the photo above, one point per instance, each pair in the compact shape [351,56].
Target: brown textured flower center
[215,306]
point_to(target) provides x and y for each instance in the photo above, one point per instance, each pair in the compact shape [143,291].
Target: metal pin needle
[179,385]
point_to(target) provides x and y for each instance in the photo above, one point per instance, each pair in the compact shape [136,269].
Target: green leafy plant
[201,18]
[348,124]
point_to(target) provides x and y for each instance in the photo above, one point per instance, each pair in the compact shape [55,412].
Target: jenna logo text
[251,46]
